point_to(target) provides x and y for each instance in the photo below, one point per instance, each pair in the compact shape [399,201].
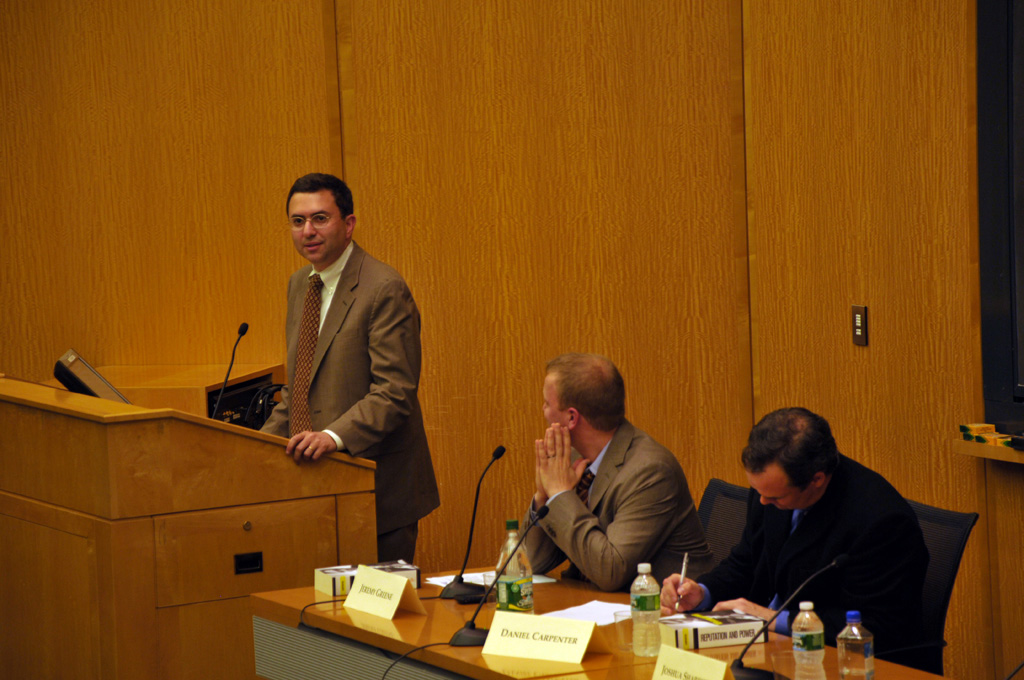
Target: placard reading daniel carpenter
[541,637]
[538,637]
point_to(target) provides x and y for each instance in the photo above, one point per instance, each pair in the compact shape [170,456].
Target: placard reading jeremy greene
[382,594]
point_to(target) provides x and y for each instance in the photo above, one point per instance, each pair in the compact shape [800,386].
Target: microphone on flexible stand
[471,636]
[739,671]
[458,588]
[242,330]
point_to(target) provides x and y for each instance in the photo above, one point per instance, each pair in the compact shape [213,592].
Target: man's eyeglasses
[319,221]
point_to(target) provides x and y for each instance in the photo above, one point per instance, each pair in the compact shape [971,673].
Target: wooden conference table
[330,643]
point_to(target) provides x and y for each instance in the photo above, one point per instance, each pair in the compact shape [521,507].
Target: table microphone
[242,330]
[471,636]
[458,588]
[739,671]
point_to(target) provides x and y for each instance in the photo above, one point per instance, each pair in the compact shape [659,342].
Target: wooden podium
[131,538]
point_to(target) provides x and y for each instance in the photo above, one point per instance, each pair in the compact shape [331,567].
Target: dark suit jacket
[861,515]
[365,374]
[640,511]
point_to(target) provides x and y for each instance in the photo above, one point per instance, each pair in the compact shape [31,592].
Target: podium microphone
[242,330]
[458,588]
[739,671]
[471,636]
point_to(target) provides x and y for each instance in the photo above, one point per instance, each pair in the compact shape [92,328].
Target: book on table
[337,581]
[700,630]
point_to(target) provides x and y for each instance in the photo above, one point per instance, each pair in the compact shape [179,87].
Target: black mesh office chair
[723,513]
[945,534]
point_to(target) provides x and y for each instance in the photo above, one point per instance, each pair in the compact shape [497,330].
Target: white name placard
[679,664]
[538,637]
[382,594]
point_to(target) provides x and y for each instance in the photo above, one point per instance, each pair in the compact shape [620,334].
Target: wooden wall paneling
[336,30]
[341,11]
[356,515]
[862,190]
[1005,517]
[553,177]
[548,177]
[146,155]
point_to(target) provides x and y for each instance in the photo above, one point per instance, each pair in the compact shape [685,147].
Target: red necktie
[309,331]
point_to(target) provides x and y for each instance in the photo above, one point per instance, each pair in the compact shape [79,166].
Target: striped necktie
[309,331]
[583,491]
[583,487]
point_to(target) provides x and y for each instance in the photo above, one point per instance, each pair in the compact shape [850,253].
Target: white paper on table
[478,578]
[601,613]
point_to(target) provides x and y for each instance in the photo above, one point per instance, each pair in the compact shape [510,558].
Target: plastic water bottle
[808,637]
[856,647]
[515,584]
[645,603]
[808,671]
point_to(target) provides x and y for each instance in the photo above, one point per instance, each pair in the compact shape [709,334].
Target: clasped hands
[555,471]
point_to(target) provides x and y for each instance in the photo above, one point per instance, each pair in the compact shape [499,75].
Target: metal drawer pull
[249,563]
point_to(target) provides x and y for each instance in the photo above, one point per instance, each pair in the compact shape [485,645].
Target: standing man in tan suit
[353,334]
[615,496]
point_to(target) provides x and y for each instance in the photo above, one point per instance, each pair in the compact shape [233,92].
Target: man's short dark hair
[318,181]
[798,440]
[592,385]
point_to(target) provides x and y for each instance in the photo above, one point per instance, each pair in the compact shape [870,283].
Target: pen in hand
[682,577]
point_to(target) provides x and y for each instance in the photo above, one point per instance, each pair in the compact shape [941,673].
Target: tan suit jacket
[364,379]
[640,510]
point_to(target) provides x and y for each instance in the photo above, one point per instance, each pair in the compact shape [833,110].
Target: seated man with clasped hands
[615,496]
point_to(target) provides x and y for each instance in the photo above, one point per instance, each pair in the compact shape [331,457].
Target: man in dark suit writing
[353,335]
[809,504]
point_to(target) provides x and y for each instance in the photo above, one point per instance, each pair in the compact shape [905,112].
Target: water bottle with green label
[515,584]
[808,636]
[645,602]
